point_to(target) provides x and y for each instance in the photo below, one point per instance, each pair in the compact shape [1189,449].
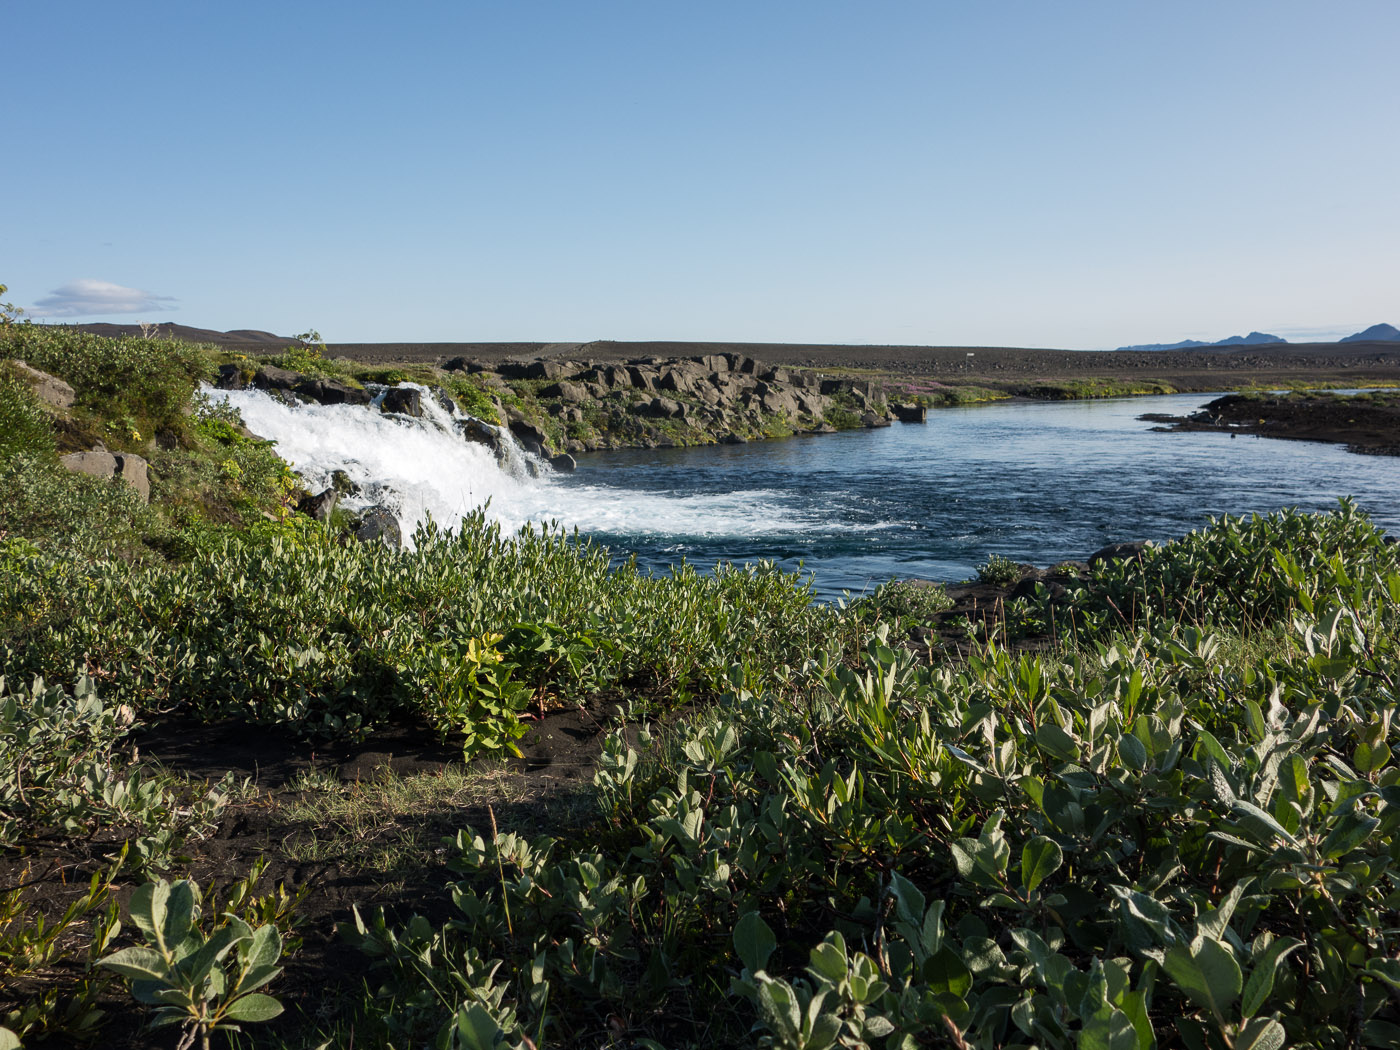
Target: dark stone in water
[403,400]
[565,464]
[379,524]
[910,413]
[321,505]
[344,484]
[476,430]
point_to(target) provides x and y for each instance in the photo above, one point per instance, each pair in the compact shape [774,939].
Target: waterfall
[421,467]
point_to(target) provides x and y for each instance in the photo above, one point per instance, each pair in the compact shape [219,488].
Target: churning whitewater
[423,467]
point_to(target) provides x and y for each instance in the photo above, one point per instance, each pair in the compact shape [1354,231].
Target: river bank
[1367,423]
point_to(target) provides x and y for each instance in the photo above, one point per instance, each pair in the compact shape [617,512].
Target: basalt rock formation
[577,406]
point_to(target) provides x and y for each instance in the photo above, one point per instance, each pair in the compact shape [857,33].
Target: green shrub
[904,602]
[24,425]
[60,770]
[999,571]
[146,381]
[282,624]
[67,511]
[1165,838]
[203,979]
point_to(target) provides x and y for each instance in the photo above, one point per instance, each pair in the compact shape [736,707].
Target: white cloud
[86,298]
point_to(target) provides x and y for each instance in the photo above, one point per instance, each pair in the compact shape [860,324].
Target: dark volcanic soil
[1365,423]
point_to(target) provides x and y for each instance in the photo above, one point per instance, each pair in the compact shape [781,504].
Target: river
[1036,482]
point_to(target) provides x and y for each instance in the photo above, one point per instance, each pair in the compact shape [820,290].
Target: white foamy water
[425,467]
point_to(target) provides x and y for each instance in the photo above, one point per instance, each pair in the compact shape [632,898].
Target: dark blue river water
[1035,482]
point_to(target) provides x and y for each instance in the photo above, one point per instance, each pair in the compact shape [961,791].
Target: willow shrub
[1239,573]
[1159,840]
[284,624]
[147,381]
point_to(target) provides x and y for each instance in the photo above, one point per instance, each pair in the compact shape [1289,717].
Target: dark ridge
[188,334]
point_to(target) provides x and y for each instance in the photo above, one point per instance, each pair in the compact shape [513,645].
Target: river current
[1036,482]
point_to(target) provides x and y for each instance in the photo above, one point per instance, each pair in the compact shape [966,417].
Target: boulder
[320,505]
[100,463]
[333,392]
[463,364]
[378,524]
[403,400]
[547,370]
[49,389]
[565,464]
[871,420]
[444,399]
[642,378]
[133,470]
[231,377]
[662,408]
[677,381]
[531,437]
[1131,550]
[479,432]
[910,413]
[514,369]
[343,484]
[270,377]
[567,390]
[713,362]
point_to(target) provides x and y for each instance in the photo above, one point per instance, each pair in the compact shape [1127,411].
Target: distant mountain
[1377,333]
[239,337]
[1253,339]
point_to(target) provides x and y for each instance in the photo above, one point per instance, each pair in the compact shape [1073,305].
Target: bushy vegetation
[1157,837]
[286,625]
[144,383]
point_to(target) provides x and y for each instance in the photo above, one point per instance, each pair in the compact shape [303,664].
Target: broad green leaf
[1261,1033]
[1260,824]
[1132,752]
[1212,924]
[1370,758]
[255,1007]
[1040,858]
[931,933]
[1207,973]
[777,1005]
[945,972]
[138,964]
[265,948]
[828,959]
[1056,742]
[1261,977]
[754,941]
[908,899]
[1352,829]
[476,1028]
[1207,742]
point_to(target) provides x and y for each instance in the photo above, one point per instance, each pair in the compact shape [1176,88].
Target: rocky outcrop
[573,406]
[292,386]
[51,390]
[100,463]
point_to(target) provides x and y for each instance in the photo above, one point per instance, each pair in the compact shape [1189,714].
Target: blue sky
[1000,173]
